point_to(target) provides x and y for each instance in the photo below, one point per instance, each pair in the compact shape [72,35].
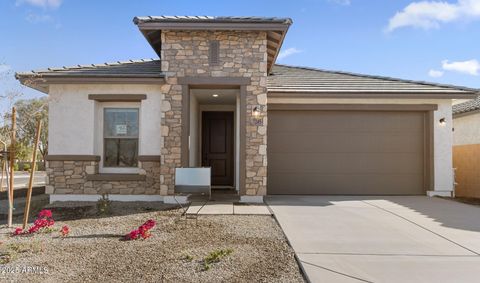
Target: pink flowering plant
[142,232]
[44,223]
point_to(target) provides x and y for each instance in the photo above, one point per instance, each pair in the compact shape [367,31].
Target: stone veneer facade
[70,177]
[242,54]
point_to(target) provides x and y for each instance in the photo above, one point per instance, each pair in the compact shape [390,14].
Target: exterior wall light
[256,112]
[215,95]
[442,122]
[257,119]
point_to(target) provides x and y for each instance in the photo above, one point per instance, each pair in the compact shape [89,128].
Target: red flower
[45,213]
[142,231]
[43,220]
[65,231]
[18,231]
[133,235]
[50,222]
[33,229]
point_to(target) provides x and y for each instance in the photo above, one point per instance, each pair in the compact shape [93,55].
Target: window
[120,137]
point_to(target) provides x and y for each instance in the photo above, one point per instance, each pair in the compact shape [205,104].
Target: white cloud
[470,67]
[341,2]
[435,73]
[4,68]
[430,14]
[35,18]
[288,52]
[41,3]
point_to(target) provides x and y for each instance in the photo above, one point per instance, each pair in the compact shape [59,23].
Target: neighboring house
[212,99]
[466,148]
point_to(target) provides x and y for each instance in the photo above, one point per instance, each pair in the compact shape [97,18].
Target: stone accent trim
[75,177]
[58,157]
[115,177]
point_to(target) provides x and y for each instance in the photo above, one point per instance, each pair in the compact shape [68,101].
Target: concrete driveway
[381,239]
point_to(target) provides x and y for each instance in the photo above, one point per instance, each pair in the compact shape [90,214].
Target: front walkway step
[227,208]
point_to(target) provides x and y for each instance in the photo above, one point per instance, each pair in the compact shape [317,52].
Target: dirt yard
[243,248]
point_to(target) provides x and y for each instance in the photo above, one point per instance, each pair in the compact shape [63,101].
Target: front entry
[217,146]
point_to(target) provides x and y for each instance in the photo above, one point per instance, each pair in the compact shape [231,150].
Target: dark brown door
[217,146]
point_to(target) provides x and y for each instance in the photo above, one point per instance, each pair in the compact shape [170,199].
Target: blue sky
[431,41]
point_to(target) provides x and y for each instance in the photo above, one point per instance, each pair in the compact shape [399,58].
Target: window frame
[101,136]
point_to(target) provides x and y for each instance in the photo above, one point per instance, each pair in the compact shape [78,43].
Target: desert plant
[104,205]
[188,257]
[214,257]
[11,251]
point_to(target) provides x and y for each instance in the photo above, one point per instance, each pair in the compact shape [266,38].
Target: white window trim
[100,140]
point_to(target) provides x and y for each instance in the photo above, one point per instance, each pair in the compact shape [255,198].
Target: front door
[217,146]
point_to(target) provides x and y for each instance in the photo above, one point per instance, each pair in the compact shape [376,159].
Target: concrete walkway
[382,239]
[227,208]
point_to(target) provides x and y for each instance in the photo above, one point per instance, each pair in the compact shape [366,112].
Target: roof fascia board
[47,80]
[409,95]
[214,26]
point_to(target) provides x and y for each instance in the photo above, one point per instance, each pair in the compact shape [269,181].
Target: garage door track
[381,239]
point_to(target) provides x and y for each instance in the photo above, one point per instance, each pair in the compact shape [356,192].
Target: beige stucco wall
[443,139]
[466,154]
[73,118]
[467,129]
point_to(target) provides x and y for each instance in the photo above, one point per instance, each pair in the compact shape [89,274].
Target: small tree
[28,111]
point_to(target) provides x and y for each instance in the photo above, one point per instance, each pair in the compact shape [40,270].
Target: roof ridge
[449,86]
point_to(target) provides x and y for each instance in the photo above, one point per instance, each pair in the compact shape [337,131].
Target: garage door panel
[337,121]
[346,152]
[347,163]
[345,142]
[379,184]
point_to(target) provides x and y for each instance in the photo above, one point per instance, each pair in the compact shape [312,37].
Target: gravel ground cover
[236,248]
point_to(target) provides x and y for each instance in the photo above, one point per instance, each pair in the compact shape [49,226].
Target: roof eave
[41,82]
[371,94]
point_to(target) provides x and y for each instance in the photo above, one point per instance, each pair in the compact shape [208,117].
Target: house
[216,98]
[466,148]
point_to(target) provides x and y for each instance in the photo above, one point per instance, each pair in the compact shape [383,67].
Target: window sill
[116,177]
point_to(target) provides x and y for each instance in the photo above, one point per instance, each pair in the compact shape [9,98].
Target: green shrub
[15,167]
[104,205]
[26,167]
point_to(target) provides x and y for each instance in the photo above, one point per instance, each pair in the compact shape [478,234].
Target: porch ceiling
[224,96]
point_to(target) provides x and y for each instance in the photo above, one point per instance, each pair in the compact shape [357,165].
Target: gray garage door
[346,152]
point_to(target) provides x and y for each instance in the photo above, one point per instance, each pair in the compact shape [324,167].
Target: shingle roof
[131,68]
[301,79]
[210,19]
[467,106]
